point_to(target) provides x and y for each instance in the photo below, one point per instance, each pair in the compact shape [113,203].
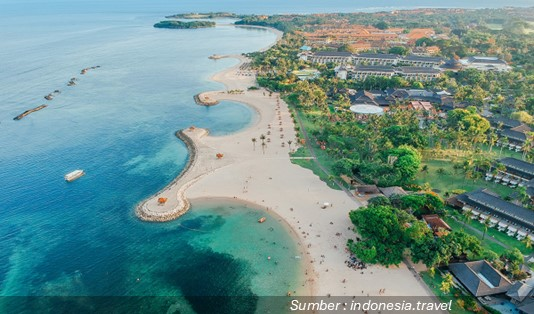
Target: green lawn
[450,181]
[435,283]
[322,156]
[497,153]
[312,165]
[493,233]
[494,27]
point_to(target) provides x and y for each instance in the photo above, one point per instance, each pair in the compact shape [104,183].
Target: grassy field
[325,160]
[530,29]
[450,181]
[434,284]
[492,232]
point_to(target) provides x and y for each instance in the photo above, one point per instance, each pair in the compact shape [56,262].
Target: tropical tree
[446,283]
[486,223]
[504,142]
[263,145]
[289,144]
[523,195]
[527,146]
[254,143]
[262,138]
[467,215]
[424,169]
[527,241]
[383,231]
[492,139]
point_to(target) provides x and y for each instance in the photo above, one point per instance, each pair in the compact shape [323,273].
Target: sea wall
[143,211]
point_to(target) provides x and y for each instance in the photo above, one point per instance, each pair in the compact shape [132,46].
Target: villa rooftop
[422,58]
[488,202]
[514,135]
[524,169]
[377,56]
[506,122]
[480,278]
[419,70]
[333,54]
[374,68]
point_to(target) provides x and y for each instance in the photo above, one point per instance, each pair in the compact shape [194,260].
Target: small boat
[262,219]
[76,174]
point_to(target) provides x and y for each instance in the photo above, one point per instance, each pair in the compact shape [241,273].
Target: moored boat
[76,174]
[262,219]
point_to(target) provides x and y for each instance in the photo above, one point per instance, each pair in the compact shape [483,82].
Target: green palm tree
[263,145]
[486,224]
[527,241]
[424,169]
[523,195]
[504,142]
[492,139]
[467,214]
[527,146]
[446,284]
[254,142]
[289,144]
[262,138]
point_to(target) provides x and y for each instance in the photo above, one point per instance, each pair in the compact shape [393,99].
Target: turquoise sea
[118,124]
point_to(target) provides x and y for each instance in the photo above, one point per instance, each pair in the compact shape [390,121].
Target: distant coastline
[184,25]
[207,15]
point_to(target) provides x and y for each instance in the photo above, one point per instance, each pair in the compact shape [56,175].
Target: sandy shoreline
[267,178]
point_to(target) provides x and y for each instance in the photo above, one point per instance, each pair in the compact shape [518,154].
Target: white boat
[76,174]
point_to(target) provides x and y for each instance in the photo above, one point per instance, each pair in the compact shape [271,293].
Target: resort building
[425,50]
[520,292]
[363,97]
[323,57]
[424,107]
[486,64]
[422,74]
[342,72]
[418,33]
[337,34]
[421,61]
[361,72]
[517,168]
[437,225]
[392,190]
[362,46]
[515,132]
[516,139]
[504,123]
[306,74]
[480,278]
[517,173]
[507,217]
[375,59]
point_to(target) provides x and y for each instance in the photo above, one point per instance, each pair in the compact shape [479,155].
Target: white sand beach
[265,176]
